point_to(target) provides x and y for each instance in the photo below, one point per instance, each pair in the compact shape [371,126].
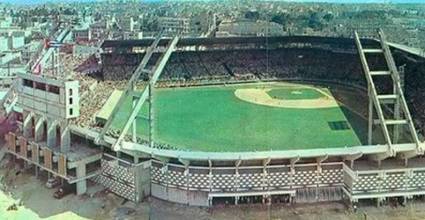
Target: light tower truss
[139,98]
[394,100]
[39,61]
[9,100]
[51,53]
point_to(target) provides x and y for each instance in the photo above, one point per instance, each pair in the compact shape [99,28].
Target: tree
[281,18]
[252,15]
[328,17]
[314,21]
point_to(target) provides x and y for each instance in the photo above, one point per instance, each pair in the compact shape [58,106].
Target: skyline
[35,2]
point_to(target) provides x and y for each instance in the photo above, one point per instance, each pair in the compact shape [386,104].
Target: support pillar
[236,180]
[292,172]
[81,185]
[186,164]
[134,133]
[36,171]
[396,131]
[151,116]
[370,122]
[142,180]
[352,158]
[51,133]
[39,131]
[26,126]
[65,139]
[210,176]
[265,176]
[319,162]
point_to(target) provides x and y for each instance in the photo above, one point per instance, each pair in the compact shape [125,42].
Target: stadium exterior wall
[197,178]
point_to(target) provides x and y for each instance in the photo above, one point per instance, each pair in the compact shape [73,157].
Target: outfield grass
[214,119]
[294,94]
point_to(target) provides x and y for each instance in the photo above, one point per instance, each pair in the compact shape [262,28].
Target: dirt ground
[34,201]
[260,96]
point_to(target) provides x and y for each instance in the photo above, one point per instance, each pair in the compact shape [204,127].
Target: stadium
[246,118]
[292,119]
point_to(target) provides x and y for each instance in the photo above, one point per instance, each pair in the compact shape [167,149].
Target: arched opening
[32,135]
[44,131]
[58,136]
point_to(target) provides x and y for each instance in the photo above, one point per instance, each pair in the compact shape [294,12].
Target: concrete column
[138,183]
[51,133]
[151,117]
[26,126]
[134,133]
[210,175]
[236,179]
[370,121]
[39,129]
[142,180]
[81,185]
[36,171]
[380,201]
[265,175]
[405,199]
[292,171]
[65,138]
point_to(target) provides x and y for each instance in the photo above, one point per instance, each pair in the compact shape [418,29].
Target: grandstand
[205,121]
[206,152]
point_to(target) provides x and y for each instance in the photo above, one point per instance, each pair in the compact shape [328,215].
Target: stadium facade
[136,169]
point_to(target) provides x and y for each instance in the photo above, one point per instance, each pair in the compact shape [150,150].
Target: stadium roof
[238,40]
[337,42]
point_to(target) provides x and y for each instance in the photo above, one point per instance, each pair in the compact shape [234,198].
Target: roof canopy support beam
[139,103]
[130,87]
[401,114]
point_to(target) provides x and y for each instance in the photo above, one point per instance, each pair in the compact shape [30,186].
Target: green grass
[293,94]
[214,119]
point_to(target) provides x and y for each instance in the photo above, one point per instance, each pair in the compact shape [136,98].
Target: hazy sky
[333,1]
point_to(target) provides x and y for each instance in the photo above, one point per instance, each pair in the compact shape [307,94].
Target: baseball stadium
[209,121]
[267,116]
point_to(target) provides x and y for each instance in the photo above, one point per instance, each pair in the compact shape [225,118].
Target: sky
[333,1]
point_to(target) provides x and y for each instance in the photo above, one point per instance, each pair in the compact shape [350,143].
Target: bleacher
[220,66]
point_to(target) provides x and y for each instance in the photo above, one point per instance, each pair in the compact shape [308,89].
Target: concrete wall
[62,104]
[3,44]
[181,196]
[143,180]
[117,178]
[16,42]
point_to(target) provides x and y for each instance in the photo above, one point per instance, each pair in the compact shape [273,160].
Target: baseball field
[250,117]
